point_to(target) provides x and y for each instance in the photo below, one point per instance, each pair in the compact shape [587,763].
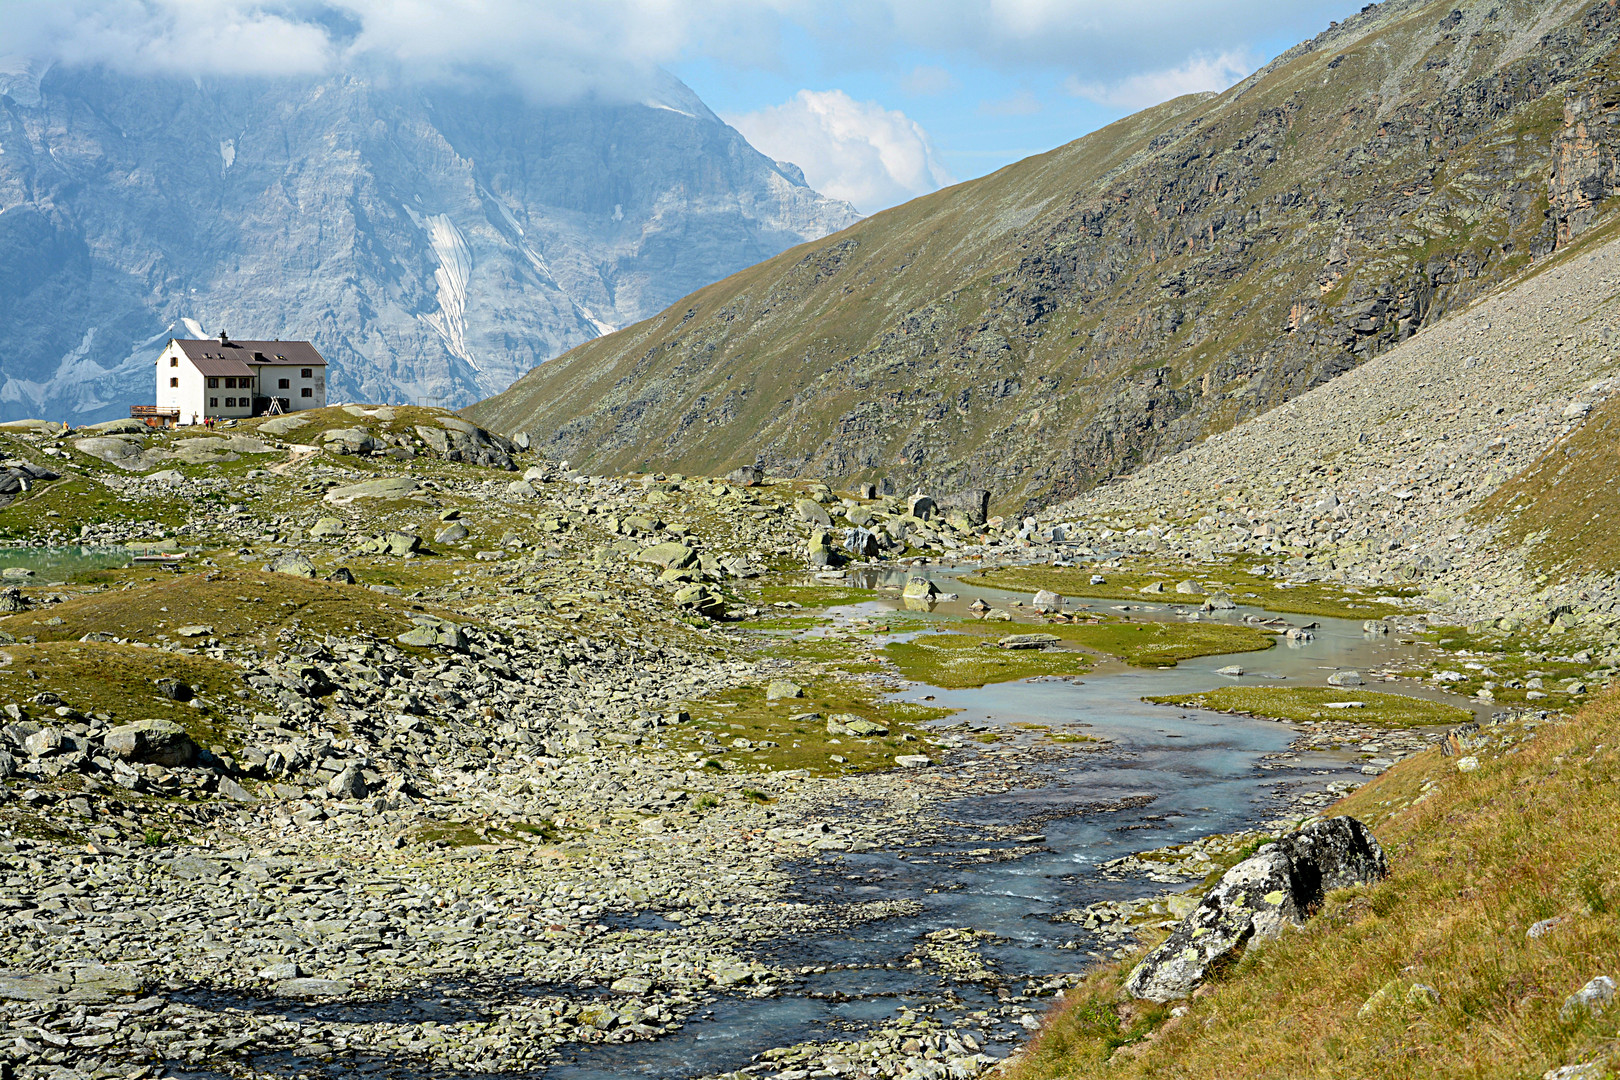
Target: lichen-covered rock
[1278,887]
[670,556]
[295,565]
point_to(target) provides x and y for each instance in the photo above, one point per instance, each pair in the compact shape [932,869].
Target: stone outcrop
[1278,887]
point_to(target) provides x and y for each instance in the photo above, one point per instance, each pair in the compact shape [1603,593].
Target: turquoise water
[61,563]
[1168,776]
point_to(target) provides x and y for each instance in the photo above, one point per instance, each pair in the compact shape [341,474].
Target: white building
[229,379]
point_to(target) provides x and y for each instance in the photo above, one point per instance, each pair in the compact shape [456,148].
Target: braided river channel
[1165,776]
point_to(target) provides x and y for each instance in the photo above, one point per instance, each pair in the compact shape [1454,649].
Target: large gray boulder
[157,742]
[973,504]
[1278,887]
[355,440]
[457,440]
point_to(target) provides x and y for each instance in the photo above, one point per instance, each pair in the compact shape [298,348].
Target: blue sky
[980,109]
[877,100]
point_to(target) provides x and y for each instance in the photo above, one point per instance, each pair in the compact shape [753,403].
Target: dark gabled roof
[214,365]
[277,353]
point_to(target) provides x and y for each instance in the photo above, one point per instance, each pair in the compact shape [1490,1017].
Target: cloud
[557,49]
[1022,103]
[854,150]
[1198,75]
[928,80]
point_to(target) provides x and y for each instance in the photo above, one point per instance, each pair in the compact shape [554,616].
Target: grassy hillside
[1430,973]
[1085,310]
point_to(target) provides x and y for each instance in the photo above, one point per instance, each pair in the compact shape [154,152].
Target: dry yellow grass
[1474,864]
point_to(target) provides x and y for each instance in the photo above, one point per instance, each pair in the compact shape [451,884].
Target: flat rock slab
[311,988]
[1028,641]
[393,487]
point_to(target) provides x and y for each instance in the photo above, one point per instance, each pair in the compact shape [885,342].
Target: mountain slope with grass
[1076,314]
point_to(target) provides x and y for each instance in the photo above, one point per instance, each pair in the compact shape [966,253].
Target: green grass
[1161,644]
[1566,502]
[120,681]
[954,661]
[815,597]
[239,605]
[1305,703]
[1233,578]
[743,713]
[1475,859]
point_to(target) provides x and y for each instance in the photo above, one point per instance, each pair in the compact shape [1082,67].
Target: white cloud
[928,80]
[1198,75]
[854,150]
[560,48]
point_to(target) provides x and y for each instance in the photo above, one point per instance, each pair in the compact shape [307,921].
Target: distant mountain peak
[435,242]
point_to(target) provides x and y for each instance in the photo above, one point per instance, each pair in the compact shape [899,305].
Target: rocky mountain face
[433,243]
[1063,321]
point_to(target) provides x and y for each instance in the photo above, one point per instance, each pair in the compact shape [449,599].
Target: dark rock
[746,476]
[342,575]
[173,689]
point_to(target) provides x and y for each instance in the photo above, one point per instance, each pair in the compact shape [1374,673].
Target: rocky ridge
[1086,311]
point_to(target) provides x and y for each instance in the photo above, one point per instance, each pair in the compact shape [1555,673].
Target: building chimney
[224,338]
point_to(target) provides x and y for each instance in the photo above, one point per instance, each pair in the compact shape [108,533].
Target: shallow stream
[1167,776]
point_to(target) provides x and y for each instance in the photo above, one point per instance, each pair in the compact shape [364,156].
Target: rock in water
[1047,600]
[919,588]
[1258,898]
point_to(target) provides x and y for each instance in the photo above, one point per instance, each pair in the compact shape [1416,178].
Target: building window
[213,383]
[306,392]
[283,384]
[174,361]
[175,383]
[304,373]
[213,403]
[230,403]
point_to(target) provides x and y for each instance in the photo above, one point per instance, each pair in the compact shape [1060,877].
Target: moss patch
[1298,703]
[1235,578]
[1159,644]
[798,728]
[235,604]
[953,661]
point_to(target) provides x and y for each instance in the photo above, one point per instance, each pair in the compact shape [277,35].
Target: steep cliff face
[434,243]
[1076,314]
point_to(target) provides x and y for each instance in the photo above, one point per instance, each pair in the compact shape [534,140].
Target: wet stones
[1258,898]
